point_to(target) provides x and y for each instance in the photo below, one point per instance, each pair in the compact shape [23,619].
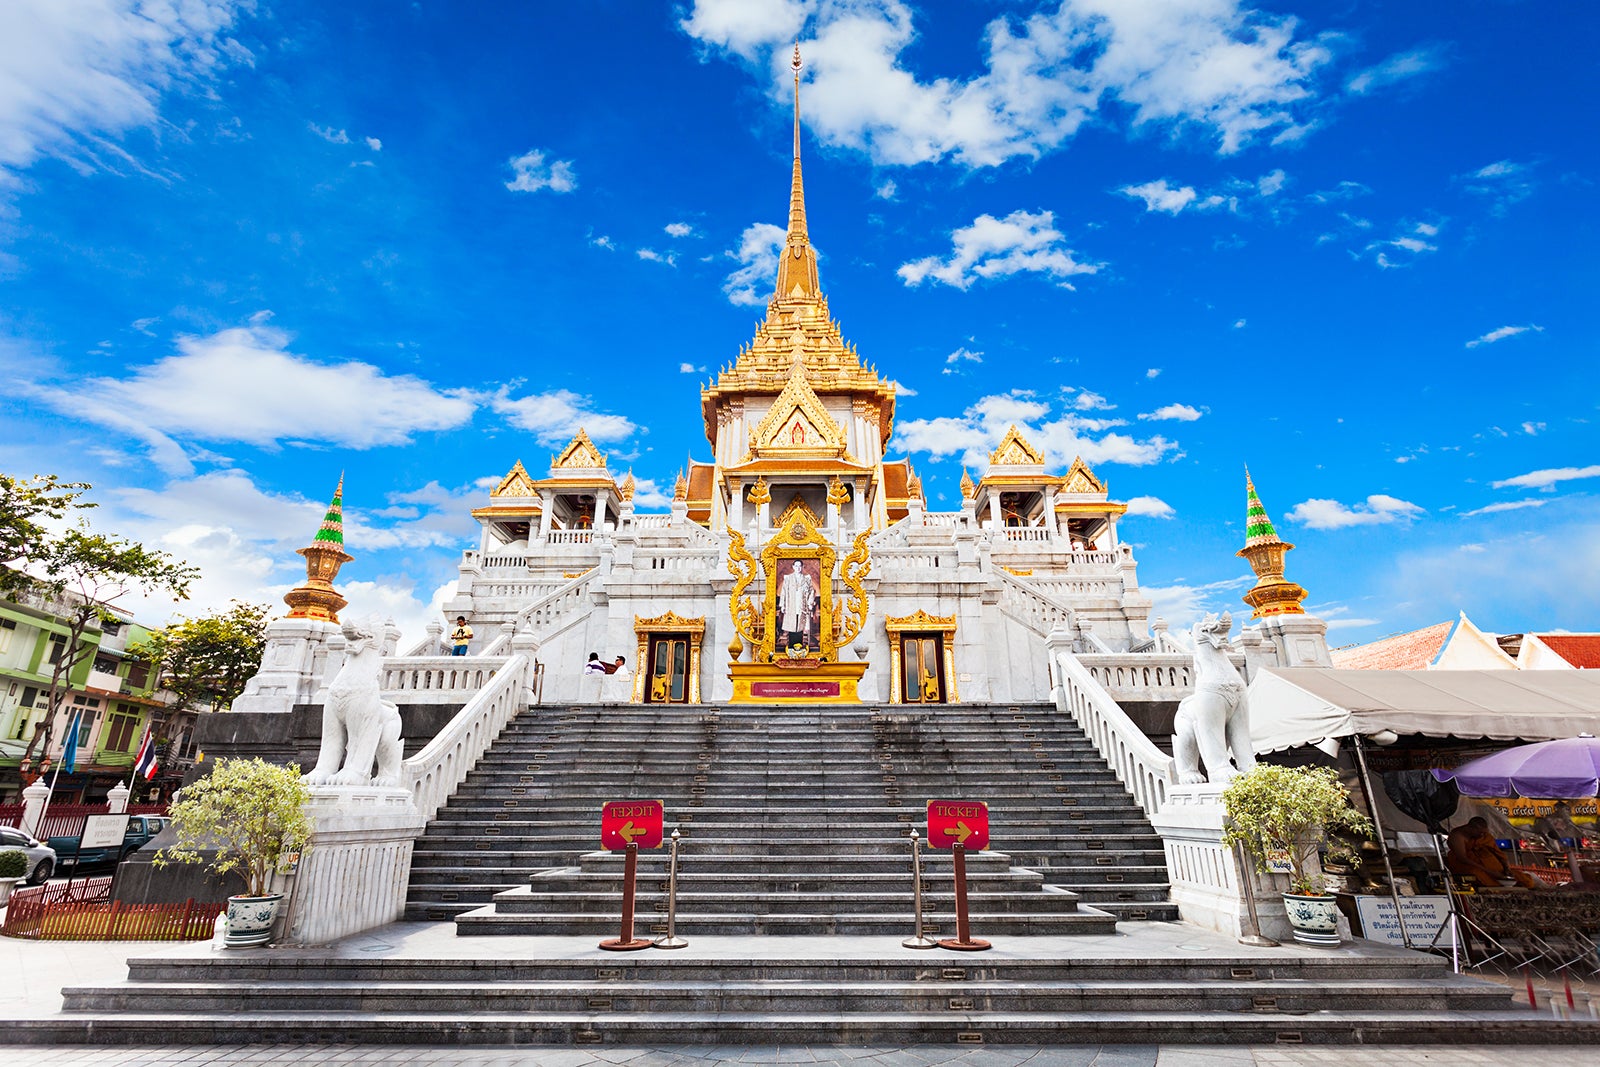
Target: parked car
[41,857]
[141,830]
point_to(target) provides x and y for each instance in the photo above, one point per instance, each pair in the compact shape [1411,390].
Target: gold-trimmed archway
[670,623]
[920,622]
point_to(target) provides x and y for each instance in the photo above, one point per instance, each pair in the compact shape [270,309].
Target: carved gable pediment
[797,511]
[515,483]
[1015,451]
[1080,479]
[797,423]
[579,455]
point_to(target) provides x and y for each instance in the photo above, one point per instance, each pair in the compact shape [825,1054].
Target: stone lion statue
[1216,716]
[358,725]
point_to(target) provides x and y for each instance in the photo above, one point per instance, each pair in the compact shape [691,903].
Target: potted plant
[13,868]
[248,816]
[1284,813]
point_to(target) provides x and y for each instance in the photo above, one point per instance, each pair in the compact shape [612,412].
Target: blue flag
[69,754]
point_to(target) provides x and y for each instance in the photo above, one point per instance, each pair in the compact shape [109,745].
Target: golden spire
[315,598]
[1273,594]
[797,265]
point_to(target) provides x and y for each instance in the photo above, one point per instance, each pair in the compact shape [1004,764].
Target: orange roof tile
[1411,651]
[1580,650]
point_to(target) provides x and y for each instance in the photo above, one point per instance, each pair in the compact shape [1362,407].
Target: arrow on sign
[629,831]
[963,831]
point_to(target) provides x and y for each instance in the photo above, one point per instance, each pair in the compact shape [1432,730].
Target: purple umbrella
[1568,769]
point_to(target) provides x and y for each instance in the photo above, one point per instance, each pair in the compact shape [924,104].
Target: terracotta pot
[250,919]
[1315,919]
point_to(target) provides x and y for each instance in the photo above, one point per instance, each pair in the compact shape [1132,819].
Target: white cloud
[1502,183]
[1087,399]
[1345,190]
[678,229]
[1239,324]
[1234,74]
[1153,372]
[963,354]
[650,255]
[555,417]
[530,173]
[648,493]
[975,433]
[1509,505]
[1151,507]
[998,248]
[1175,412]
[1533,429]
[1407,244]
[1502,333]
[1159,196]
[757,257]
[1378,510]
[243,384]
[1271,184]
[690,368]
[604,242]
[1397,68]
[1547,479]
[374,144]
[902,389]
[78,75]
[1181,604]
[886,190]
[329,134]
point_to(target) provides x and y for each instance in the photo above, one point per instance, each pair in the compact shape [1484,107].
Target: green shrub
[13,863]
[250,812]
[1289,808]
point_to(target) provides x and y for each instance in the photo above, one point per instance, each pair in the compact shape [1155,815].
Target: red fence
[80,911]
[66,820]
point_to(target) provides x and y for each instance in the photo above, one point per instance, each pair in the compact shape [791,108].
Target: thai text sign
[793,690]
[958,822]
[630,822]
[103,831]
[1424,916]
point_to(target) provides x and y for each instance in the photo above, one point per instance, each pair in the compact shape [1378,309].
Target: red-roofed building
[1559,651]
[1412,651]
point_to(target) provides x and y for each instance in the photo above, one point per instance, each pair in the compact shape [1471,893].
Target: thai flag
[144,764]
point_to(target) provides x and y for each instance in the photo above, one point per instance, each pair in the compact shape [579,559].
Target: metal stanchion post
[627,941]
[917,940]
[962,941]
[672,940]
[1253,936]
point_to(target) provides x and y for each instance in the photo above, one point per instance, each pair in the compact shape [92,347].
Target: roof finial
[797,267]
[1273,594]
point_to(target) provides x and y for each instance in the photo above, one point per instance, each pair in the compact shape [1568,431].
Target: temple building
[935,607]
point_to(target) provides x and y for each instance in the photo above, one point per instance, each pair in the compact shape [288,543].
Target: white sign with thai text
[104,831]
[1424,917]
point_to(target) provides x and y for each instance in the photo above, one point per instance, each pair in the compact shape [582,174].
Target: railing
[892,559]
[1035,534]
[437,674]
[1067,588]
[532,588]
[559,605]
[652,522]
[941,518]
[569,537]
[1144,769]
[514,559]
[1029,606]
[890,536]
[47,914]
[64,820]
[438,770]
[1086,556]
[1152,676]
[677,559]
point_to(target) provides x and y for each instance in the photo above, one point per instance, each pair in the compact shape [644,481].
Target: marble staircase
[793,821]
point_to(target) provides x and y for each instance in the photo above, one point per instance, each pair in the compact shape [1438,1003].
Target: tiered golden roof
[798,328]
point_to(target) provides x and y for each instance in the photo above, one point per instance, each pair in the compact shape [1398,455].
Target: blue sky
[247,246]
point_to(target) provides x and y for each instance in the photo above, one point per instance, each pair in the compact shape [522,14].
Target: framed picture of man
[801,606]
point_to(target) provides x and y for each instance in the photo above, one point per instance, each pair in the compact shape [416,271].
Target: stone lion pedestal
[355,872]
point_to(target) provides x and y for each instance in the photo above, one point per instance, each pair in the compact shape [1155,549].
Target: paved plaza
[38,970]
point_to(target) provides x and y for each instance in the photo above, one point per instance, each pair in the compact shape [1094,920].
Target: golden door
[922,669]
[669,670]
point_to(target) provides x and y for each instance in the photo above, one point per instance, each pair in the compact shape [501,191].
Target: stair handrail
[436,772]
[1144,769]
[1031,606]
[577,584]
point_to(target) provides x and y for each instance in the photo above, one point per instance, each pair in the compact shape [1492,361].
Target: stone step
[490,921]
[814,997]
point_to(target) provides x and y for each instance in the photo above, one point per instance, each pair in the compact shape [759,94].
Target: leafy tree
[85,574]
[26,504]
[206,661]
[251,812]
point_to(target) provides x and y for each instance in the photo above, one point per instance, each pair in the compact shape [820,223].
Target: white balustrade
[652,522]
[1144,769]
[1150,676]
[436,674]
[1069,588]
[438,770]
[517,559]
[560,605]
[1038,612]
[1026,534]
[1082,556]
[569,537]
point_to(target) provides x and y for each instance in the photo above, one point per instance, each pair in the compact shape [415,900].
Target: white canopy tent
[1304,705]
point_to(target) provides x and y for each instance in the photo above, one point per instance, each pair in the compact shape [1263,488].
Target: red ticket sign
[958,822]
[630,822]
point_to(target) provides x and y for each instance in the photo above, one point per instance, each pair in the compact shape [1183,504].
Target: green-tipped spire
[332,530]
[1258,528]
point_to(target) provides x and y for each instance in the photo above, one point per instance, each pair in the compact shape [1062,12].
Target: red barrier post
[627,942]
[962,942]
